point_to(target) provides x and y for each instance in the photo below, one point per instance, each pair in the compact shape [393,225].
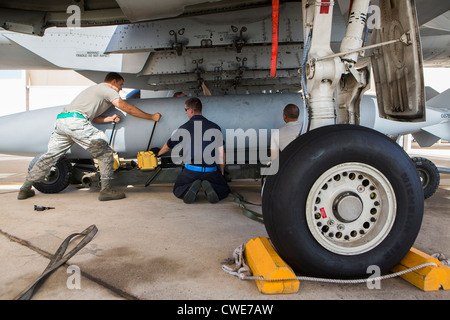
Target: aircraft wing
[437,107]
[33,17]
[79,49]
[426,133]
[177,44]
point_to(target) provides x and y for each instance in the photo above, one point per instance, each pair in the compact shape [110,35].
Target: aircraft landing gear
[345,197]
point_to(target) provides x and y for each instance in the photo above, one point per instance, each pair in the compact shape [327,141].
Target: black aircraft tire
[58,179]
[429,175]
[364,172]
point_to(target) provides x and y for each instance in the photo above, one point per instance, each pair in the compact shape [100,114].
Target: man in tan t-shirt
[288,132]
[74,125]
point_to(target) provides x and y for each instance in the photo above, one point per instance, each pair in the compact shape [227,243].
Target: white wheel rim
[351,208]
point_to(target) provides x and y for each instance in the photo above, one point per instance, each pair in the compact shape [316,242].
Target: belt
[200,169]
[70,115]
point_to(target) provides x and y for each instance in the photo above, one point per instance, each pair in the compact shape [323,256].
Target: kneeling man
[201,141]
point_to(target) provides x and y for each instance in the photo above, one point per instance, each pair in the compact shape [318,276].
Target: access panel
[398,67]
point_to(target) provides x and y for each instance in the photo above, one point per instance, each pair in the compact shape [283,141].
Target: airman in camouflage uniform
[74,126]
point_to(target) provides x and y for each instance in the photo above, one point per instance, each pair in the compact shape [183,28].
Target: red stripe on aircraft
[275,18]
[325,9]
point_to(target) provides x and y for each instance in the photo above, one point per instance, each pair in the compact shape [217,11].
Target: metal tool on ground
[41,208]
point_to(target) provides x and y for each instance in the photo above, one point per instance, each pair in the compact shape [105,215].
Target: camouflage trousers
[67,132]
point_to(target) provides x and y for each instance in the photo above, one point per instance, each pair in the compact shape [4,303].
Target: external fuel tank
[27,133]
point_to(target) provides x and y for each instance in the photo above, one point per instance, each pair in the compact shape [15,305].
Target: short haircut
[113,76]
[291,111]
[179,94]
[194,104]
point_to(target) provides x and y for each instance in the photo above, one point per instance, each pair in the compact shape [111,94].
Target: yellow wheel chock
[429,278]
[265,262]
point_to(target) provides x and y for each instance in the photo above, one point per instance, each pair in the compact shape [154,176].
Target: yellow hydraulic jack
[147,159]
[115,154]
[127,171]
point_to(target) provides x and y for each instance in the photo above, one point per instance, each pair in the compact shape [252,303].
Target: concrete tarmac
[152,246]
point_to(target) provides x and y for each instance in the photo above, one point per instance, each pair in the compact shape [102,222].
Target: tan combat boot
[25,194]
[107,193]
[25,191]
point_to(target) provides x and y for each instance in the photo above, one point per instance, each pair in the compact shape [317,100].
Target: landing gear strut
[347,197]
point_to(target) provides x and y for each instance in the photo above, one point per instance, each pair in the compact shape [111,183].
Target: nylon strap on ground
[59,259]
[240,200]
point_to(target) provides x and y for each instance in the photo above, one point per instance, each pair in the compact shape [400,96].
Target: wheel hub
[424,177]
[52,176]
[348,207]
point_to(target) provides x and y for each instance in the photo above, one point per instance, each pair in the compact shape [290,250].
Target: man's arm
[205,89]
[222,156]
[100,119]
[274,153]
[134,111]
[164,149]
[275,144]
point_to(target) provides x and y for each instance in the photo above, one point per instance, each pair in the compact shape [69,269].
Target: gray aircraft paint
[27,133]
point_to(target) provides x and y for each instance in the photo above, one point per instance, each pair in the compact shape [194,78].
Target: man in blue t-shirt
[201,143]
